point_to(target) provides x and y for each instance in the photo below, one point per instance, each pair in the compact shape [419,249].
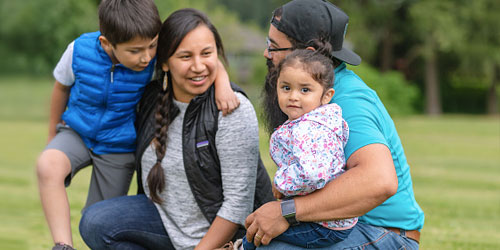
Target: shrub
[399,96]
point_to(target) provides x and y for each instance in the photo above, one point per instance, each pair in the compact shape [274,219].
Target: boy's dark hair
[173,31]
[123,20]
[319,66]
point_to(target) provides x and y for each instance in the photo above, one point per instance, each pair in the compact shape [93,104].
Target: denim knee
[92,227]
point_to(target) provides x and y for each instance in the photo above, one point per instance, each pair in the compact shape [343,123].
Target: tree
[256,11]
[480,50]
[377,27]
[34,33]
[441,45]
[436,23]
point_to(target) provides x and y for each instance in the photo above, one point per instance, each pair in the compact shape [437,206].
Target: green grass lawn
[455,164]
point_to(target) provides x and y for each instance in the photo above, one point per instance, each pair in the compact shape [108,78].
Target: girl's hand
[276,193]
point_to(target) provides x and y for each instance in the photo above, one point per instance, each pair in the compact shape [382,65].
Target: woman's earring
[165,81]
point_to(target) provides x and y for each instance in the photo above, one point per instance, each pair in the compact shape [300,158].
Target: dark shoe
[62,246]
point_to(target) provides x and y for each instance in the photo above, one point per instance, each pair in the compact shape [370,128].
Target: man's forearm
[370,180]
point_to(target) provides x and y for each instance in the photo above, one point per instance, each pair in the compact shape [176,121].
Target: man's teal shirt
[370,123]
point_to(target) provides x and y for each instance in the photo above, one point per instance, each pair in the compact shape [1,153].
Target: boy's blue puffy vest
[102,103]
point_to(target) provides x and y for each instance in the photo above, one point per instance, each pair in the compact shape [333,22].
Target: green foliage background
[463,34]
[398,95]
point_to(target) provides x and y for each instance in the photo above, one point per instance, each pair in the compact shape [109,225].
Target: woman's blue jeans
[126,222]
[362,236]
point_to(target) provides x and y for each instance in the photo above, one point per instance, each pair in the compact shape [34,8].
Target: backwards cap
[305,20]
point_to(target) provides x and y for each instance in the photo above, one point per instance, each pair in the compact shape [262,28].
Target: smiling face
[135,54]
[299,93]
[193,65]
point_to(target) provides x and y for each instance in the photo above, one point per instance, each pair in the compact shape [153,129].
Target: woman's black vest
[201,164]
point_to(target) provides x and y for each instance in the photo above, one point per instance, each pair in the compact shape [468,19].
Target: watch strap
[288,211]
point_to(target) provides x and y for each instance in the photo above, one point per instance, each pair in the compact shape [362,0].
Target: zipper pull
[112,70]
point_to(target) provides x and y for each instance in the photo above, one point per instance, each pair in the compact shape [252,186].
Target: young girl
[308,147]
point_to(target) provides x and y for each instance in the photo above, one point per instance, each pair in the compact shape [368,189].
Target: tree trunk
[386,57]
[492,100]
[432,92]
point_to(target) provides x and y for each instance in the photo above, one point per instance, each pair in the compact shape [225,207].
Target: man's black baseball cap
[305,20]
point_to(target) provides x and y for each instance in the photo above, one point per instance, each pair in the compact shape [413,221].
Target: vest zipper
[112,70]
[106,90]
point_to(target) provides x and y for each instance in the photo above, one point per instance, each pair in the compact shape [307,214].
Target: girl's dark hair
[314,62]
[318,63]
[172,32]
[302,45]
[122,20]
[272,115]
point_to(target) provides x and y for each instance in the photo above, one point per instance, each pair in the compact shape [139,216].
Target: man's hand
[265,223]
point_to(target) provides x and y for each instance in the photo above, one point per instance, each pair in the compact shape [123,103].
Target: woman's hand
[265,224]
[220,232]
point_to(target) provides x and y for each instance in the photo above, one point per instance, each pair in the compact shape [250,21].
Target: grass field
[455,164]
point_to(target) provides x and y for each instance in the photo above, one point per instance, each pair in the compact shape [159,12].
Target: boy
[99,80]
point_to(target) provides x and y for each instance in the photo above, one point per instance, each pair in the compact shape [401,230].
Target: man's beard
[273,115]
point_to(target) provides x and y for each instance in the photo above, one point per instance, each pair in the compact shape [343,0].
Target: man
[377,185]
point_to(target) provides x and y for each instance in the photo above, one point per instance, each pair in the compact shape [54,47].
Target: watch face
[288,211]
[288,207]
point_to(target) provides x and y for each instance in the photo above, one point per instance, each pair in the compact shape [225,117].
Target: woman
[198,169]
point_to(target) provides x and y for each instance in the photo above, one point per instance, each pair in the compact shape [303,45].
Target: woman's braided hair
[166,111]
[173,31]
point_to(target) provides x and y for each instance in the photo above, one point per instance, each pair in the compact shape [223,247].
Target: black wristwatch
[288,211]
